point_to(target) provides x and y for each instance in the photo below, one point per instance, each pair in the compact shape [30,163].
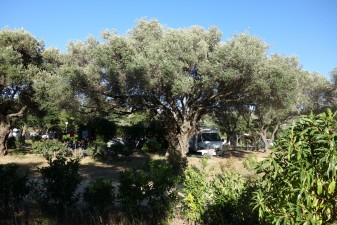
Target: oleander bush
[298,184]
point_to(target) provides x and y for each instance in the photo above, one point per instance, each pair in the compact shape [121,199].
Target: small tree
[299,177]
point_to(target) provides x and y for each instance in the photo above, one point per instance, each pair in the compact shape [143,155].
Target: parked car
[206,141]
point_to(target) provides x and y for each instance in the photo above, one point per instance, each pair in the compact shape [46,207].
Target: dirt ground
[91,169]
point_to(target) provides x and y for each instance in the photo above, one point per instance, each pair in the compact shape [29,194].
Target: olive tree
[315,89]
[182,73]
[332,90]
[178,74]
[276,94]
[20,59]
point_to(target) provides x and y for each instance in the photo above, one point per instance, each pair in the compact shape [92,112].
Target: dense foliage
[13,188]
[151,145]
[50,148]
[60,182]
[176,77]
[100,194]
[20,60]
[298,185]
[149,192]
[224,198]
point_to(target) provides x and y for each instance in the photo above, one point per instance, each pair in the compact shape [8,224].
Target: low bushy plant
[224,198]
[116,148]
[60,181]
[50,148]
[150,189]
[100,194]
[97,149]
[196,194]
[232,199]
[151,146]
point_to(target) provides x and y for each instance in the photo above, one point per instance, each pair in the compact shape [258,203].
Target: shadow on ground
[89,168]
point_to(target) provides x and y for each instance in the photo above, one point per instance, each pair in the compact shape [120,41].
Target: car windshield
[210,137]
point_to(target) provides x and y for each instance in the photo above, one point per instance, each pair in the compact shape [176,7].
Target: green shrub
[99,194]
[151,145]
[197,193]
[49,148]
[250,163]
[132,184]
[299,181]
[13,187]
[97,149]
[148,192]
[224,198]
[232,199]
[59,182]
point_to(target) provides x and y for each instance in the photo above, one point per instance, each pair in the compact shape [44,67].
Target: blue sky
[304,28]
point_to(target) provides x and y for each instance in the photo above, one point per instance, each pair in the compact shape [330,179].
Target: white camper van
[206,141]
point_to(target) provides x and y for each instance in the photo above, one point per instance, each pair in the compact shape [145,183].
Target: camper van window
[210,137]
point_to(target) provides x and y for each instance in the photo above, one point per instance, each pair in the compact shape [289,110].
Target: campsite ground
[91,169]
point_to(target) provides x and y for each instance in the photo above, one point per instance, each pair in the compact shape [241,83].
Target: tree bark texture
[4,132]
[179,142]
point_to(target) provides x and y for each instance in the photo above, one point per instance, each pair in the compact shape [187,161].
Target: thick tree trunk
[183,142]
[4,132]
[179,142]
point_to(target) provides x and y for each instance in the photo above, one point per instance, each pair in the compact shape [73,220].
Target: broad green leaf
[332,186]
[319,187]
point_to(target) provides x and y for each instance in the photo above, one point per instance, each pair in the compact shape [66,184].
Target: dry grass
[90,168]
[231,160]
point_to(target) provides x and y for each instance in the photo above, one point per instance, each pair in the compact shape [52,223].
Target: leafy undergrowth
[90,169]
